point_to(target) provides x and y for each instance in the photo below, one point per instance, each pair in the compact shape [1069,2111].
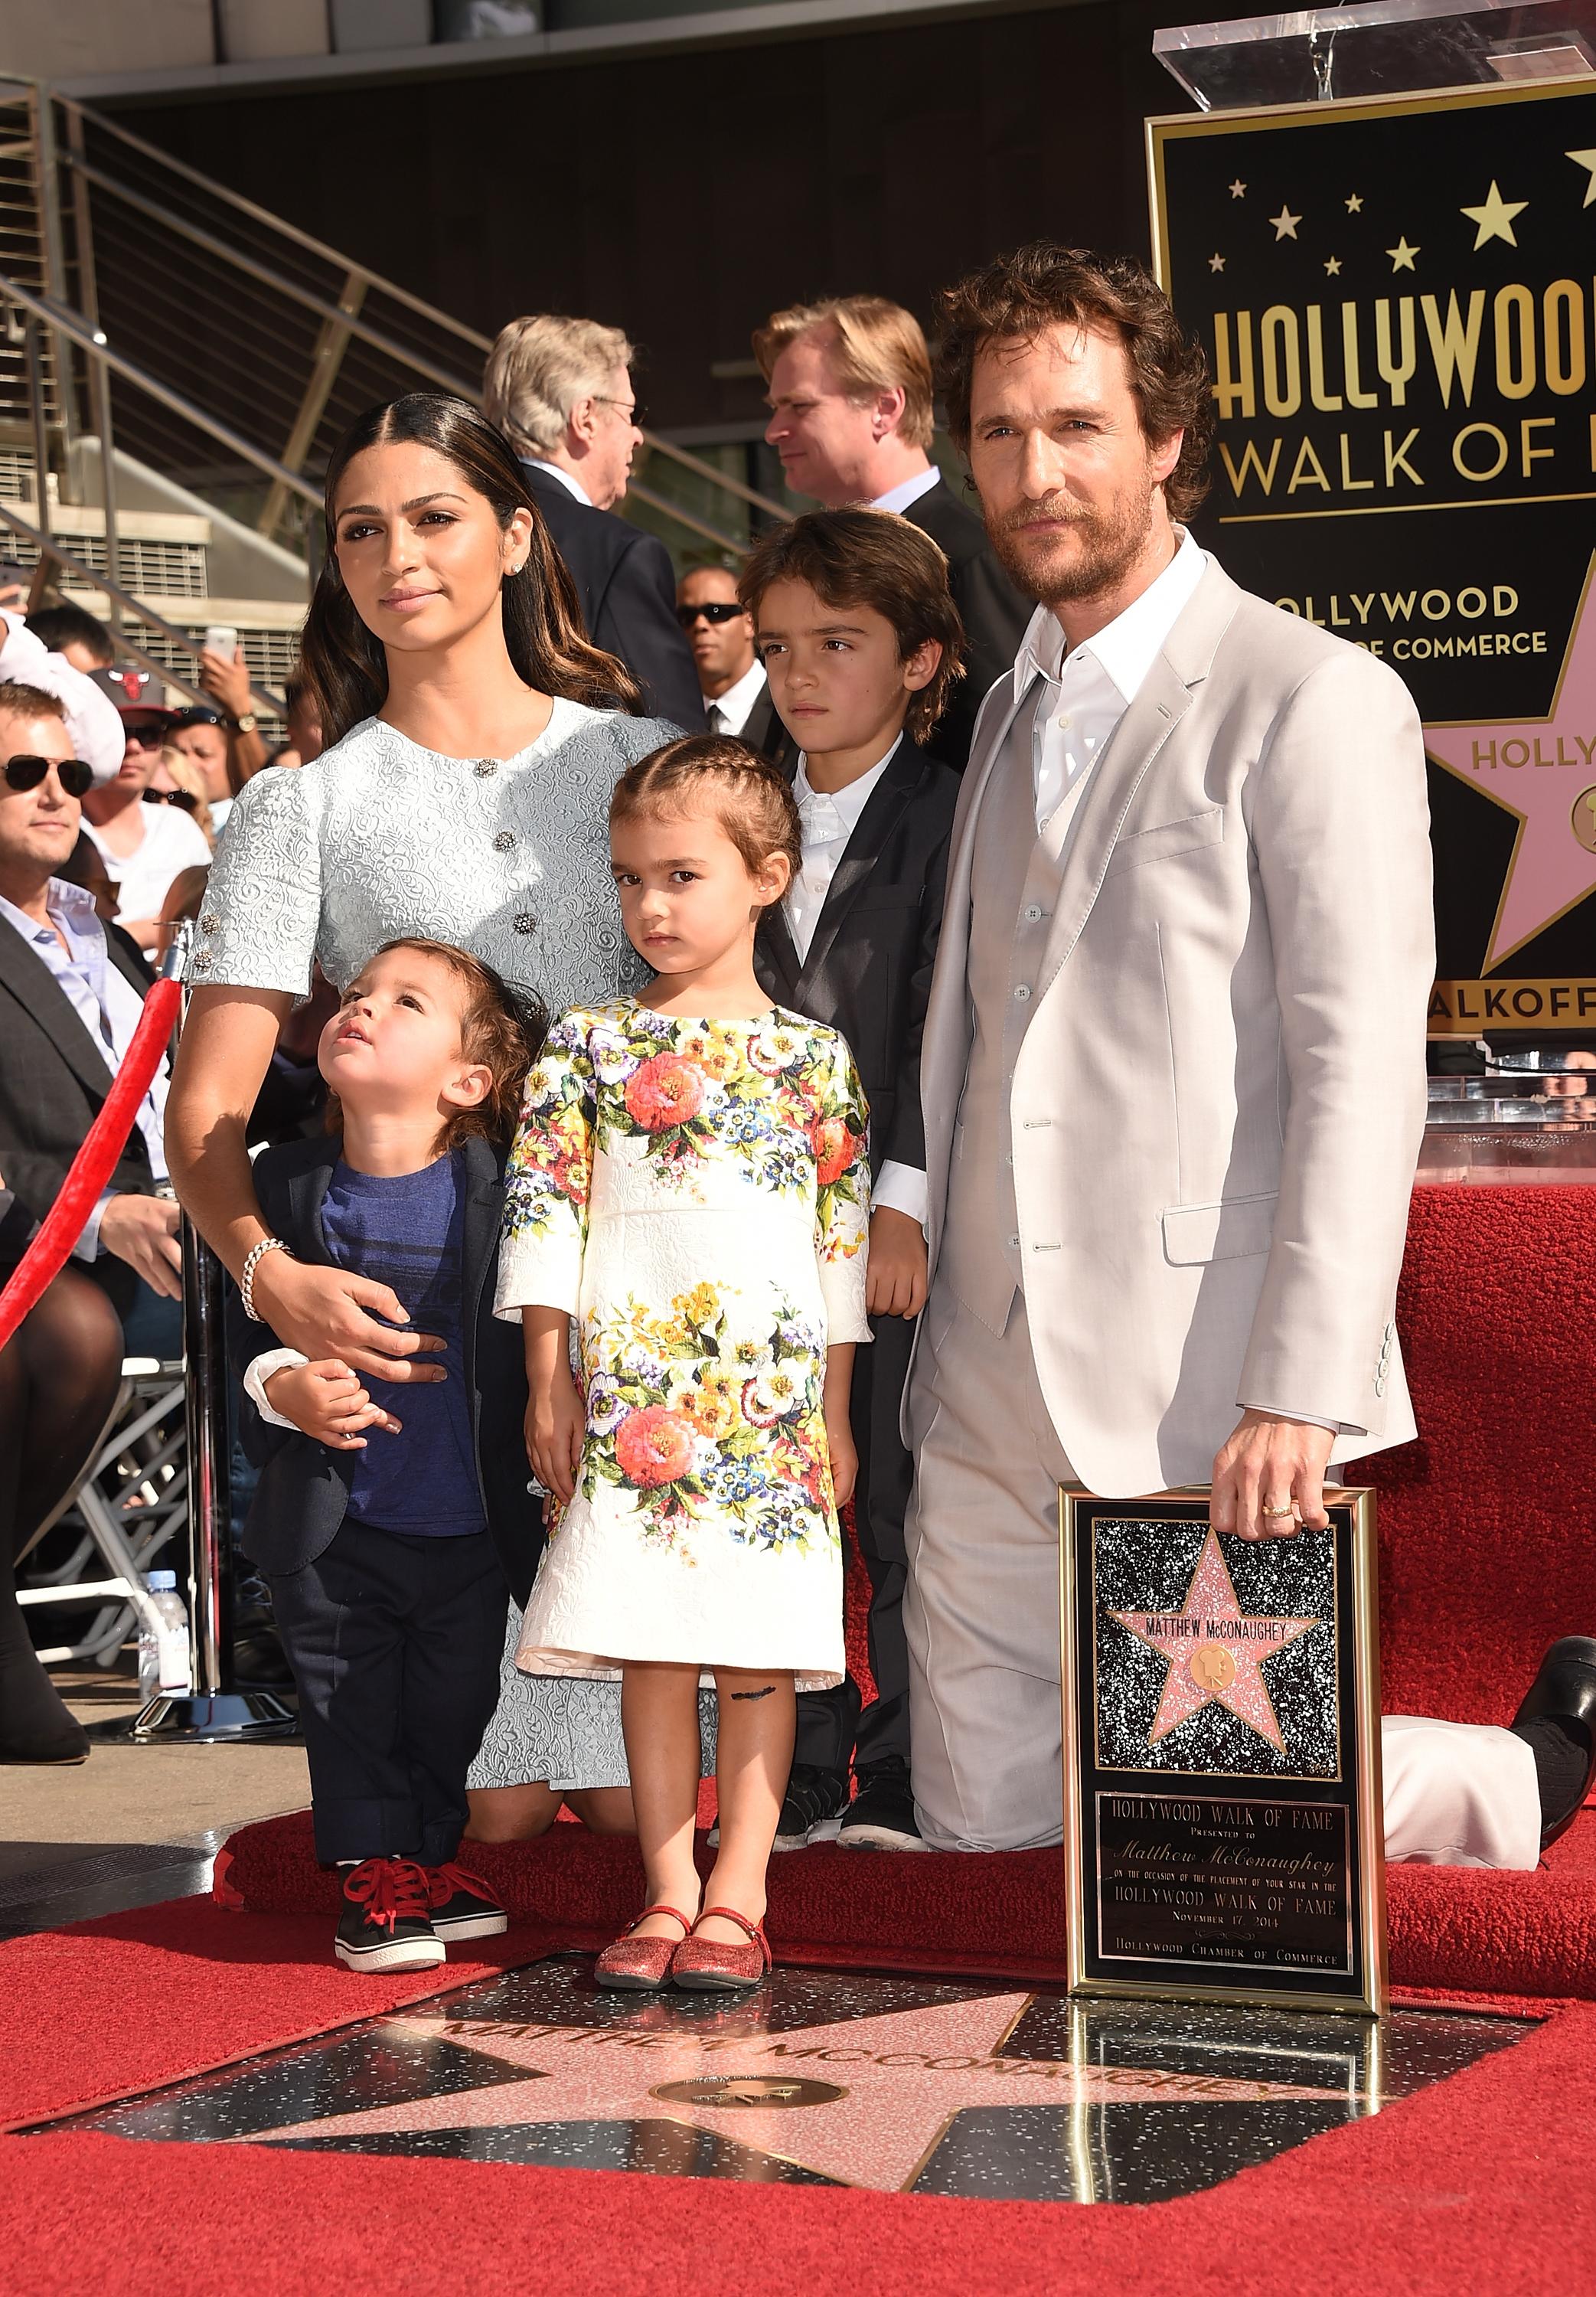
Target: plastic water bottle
[163,1651]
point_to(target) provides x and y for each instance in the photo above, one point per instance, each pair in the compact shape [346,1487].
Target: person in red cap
[144,847]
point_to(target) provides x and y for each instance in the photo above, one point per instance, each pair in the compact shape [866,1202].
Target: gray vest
[1015,875]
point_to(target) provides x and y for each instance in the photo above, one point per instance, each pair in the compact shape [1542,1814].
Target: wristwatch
[245,722]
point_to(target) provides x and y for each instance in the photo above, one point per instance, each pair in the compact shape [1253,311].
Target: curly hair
[870,558]
[502,1027]
[1047,286]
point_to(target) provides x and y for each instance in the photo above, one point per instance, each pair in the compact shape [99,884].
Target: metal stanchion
[214,1708]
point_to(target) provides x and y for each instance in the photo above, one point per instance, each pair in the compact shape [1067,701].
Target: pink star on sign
[1215,1651]
[1542,771]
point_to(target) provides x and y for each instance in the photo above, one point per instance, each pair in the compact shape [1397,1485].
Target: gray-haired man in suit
[1172,1070]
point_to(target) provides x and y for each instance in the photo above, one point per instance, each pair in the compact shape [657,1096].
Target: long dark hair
[346,667]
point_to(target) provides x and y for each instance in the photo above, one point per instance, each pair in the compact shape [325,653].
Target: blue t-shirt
[409,1230]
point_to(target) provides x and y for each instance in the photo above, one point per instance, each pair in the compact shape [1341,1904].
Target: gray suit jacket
[1218,1105]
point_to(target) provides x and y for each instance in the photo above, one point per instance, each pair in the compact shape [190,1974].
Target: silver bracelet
[246,1282]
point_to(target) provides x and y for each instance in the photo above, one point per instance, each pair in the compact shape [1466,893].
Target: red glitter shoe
[635,1965]
[705,1966]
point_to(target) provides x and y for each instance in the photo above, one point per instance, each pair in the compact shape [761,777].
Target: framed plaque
[1224,1824]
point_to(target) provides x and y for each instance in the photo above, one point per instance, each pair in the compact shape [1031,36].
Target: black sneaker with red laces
[387,1918]
[460,1906]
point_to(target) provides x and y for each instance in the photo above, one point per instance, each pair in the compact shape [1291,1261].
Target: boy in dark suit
[861,643]
[392,1546]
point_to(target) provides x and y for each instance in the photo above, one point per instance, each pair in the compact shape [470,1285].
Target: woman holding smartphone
[475,735]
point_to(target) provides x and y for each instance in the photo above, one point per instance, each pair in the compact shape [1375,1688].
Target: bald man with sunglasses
[731,678]
[71,997]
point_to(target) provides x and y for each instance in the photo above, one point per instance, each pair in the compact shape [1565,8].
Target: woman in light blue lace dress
[475,736]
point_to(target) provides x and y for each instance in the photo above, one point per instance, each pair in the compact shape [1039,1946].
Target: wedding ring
[1277,1511]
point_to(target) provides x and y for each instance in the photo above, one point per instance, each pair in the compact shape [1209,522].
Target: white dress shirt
[107,1004]
[829,818]
[735,705]
[1085,693]
[908,491]
[572,486]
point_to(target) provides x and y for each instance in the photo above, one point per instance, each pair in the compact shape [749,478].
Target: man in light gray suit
[1174,1065]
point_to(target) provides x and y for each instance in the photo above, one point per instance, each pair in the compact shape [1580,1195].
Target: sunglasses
[719,610]
[142,738]
[185,799]
[26,773]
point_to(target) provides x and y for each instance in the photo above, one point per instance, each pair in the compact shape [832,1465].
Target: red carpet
[1481,2183]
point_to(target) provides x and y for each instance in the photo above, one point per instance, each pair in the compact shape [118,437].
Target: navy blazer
[624,580]
[304,1486]
[869,965]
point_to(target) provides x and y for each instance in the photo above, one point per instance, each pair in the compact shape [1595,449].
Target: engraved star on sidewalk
[891,2084]
[1216,263]
[1585,159]
[1354,204]
[1542,771]
[1333,267]
[1238,189]
[1494,218]
[1215,1651]
[1402,255]
[1285,223]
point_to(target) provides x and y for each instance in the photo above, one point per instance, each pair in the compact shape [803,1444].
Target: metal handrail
[76,330]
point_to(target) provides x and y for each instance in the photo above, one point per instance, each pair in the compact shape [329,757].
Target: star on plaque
[1215,1651]
[861,2101]
[1238,189]
[1285,223]
[1542,771]
[1402,255]
[1333,267]
[1585,159]
[1494,218]
[1216,263]
[1354,204]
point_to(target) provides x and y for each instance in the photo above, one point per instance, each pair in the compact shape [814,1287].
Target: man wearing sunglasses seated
[144,847]
[731,678]
[71,996]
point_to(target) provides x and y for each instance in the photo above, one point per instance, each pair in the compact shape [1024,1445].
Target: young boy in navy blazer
[394,1525]
[861,643]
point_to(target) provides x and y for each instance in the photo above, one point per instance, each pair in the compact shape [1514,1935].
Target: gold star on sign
[1285,223]
[1216,263]
[1354,205]
[1494,218]
[1333,267]
[1238,189]
[1402,255]
[1585,159]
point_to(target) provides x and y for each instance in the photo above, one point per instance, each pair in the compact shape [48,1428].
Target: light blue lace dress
[507,856]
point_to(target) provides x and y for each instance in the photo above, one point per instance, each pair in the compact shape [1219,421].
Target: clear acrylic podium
[1378,47]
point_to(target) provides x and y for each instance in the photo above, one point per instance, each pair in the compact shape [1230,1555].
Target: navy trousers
[395,1644]
[832,1729]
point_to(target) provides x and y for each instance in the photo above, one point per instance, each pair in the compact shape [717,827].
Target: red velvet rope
[95,1161]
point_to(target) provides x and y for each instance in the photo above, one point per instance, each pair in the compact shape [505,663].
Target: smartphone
[221,637]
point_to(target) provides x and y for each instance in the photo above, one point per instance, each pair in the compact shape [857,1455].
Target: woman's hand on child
[895,1281]
[331,1312]
[326,1401]
[555,1428]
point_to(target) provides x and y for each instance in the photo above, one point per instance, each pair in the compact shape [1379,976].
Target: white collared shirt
[829,818]
[908,491]
[736,703]
[104,1000]
[558,470]
[1087,692]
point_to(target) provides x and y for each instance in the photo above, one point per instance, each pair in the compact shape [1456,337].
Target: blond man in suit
[1173,1064]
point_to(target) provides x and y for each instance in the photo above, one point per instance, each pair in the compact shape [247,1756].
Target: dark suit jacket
[868,969]
[628,591]
[53,1081]
[304,1487]
[764,731]
[994,613]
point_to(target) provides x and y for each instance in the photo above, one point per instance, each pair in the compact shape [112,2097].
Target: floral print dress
[695,1195]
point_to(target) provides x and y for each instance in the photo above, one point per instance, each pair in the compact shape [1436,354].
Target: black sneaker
[882,1814]
[387,1918]
[460,1906]
[815,1802]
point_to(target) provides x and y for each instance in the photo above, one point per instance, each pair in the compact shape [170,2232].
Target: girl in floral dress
[685,1247]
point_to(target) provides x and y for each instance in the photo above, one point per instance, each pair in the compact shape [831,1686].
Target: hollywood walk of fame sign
[1397,297]
[1223,1809]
